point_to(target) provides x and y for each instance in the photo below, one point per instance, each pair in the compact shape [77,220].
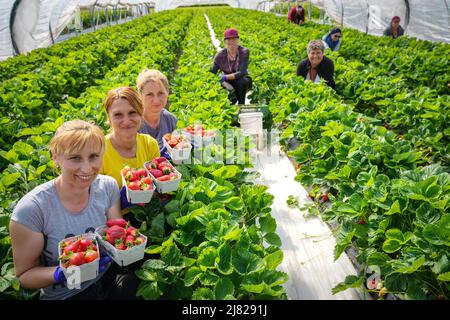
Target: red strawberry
[85,244]
[141,173]
[134,185]
[325,198]
[163,178]
[165,170]
[147,180]
[76,259]
[173,176]
[361,221]
[115,233]
[172,142]
[117,222]
[160,159]
[129,241]
[90,256]
[156,173]
[139,240]
[73,247]
[132,231]
[120,245]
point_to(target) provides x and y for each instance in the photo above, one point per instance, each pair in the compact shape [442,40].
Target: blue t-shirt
[42,211]
[167,124]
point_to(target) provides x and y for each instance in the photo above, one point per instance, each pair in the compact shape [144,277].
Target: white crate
[178,155]
[121,257]
[138,196]
[88,271]
[165,186]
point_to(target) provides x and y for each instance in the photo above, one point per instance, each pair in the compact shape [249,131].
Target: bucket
[252,123]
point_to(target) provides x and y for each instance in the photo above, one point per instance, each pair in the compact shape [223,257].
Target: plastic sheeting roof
[427,20]
[29,24]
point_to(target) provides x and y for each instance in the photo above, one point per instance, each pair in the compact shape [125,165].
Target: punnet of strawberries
[78,252]
[176,141]
[161,169]
[199,130]
[122,235]
[137,179]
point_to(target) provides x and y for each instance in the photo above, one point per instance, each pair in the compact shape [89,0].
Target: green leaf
[273,239]
[146,275]
[191,275]
[274,259]
[395,208]
[267,224]
[154,264]
[207,257]
[224,288]
[224,264]
[437,234]
[148,290]
[234,203]
[444,276]
[245,262]
[10,179]
[349,282]
[227,172]
[392,245]
[203,294]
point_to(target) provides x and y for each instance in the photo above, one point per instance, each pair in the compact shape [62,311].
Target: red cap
[230,33]
[396,18]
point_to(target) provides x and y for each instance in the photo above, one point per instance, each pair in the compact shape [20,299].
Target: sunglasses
[336,36]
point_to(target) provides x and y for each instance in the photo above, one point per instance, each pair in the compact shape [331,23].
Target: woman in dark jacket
[317,66]
[395,30]
[233,62]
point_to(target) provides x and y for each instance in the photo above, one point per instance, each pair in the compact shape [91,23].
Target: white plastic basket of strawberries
[79,252]
[123,243]
[197,134]
[164,175]
[139,185]
[177,146]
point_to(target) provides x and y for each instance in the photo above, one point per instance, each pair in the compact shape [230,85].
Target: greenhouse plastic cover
[427,20]
[38,22]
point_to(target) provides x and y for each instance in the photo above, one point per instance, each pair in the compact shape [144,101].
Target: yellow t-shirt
[146,150]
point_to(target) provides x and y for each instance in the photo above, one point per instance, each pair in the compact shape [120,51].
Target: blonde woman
[124,145]
[153,88]
[77,201]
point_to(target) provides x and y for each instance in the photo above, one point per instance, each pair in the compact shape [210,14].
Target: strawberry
[134,185]
[132,231]
[325,198]
[156,173]
[160,159]
[85,244]
[163,178]
[73,247]
[165,170]
[90,256]
[129,241]
[139,240]
[141,173]
[115,233]
[117,222]
[361,221]
[147,180]
[76,259]
[154,164]
[120,245]
[167,136]
[173,176]
[148,165]
[172,142]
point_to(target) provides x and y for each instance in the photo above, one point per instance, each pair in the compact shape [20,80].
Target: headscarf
[332,44]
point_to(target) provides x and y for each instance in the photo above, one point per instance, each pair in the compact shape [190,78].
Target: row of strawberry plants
[388,205]
[30,161]
[218,222]
[28,98]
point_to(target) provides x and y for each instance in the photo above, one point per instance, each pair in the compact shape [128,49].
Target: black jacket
[325,70]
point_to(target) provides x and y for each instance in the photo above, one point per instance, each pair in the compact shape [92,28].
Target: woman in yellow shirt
[124,145]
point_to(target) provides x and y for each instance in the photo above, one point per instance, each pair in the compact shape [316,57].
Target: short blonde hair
[316,45]
[73,136]
[153,75]
[127,93]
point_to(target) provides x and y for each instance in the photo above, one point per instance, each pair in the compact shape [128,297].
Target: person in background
[124,145]
[297,15]
[317,66]
[332,39]
[395,30]
[77,201]
[233,61]
[153,88]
